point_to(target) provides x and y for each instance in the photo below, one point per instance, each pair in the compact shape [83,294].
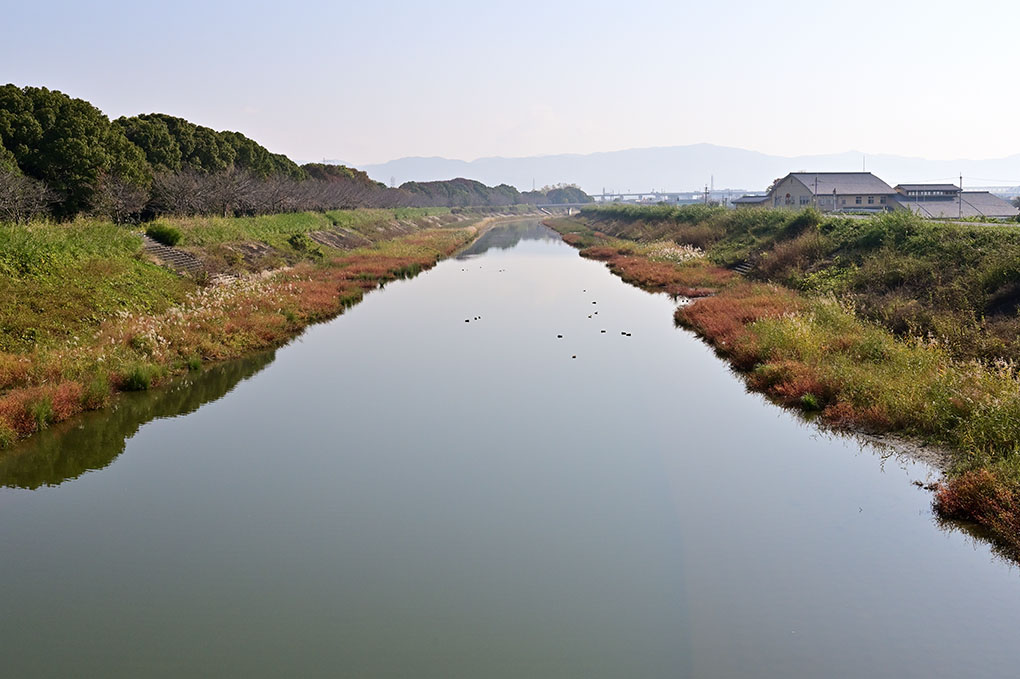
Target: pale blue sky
[371,81]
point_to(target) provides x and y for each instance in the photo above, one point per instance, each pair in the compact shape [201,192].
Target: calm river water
[401,493]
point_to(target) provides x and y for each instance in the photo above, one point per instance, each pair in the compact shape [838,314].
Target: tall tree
[67,143]
[152,135]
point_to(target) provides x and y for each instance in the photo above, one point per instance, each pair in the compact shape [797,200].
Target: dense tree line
[62,157]
[462,193]
[467,192]
[561,194]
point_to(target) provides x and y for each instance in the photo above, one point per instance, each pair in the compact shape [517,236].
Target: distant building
[864,192]
[947,201]
[832,192]
[751,201]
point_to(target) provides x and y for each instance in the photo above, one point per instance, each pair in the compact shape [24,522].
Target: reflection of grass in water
[67,451]
[132,351]
[820,349]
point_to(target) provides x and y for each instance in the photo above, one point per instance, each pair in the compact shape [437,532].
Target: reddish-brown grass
[723,320]
[14,370]
[220,323]
[15,409]
[845,415]
[602,252]
[982,497]
[374,267]
[789,381]
[66,400]
[694,279]
[988,496]
[20,408]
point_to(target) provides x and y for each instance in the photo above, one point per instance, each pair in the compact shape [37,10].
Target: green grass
[957,282]
[59,281]
[275,230]
[86,314]
[163,233]
[902,325]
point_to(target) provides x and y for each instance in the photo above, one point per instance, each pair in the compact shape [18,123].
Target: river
[436,484]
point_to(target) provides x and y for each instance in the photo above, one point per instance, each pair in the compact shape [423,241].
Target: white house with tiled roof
[832,191]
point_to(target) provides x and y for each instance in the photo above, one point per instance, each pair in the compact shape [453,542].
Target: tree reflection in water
[92,441]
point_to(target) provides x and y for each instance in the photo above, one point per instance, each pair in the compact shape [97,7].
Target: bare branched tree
[236,193]
[22,198]
[119,200]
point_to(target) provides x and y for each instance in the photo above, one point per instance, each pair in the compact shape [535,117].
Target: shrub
[300,242]
[96,393]
[138,377]
[41,410]
[807,219]
[163,233]
[8,436]
[810,402]
[792,255]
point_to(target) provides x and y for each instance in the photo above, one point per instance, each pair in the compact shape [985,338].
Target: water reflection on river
[403,493]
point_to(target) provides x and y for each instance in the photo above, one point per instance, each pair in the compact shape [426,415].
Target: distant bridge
[651,197]
[553,206]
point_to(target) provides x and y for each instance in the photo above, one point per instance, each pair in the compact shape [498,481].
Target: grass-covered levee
[85,312]
[885,324]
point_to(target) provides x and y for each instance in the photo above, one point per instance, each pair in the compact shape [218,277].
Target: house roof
[927,187]
[844,183]
[751,199]
[975,204]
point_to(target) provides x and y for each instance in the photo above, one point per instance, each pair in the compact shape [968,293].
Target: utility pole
[816,191]
[706,194]
[961,196]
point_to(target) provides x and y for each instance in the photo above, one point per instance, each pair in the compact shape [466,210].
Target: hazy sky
[369,81]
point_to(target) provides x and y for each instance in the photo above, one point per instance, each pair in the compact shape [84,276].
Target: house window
[843,201]
[804,200]
[882,200]
[871,200]
[858,200]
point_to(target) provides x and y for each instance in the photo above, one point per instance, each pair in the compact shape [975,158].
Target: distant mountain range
[687,168]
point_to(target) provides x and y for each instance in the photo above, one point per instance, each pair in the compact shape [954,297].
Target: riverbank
[815,350]
[90,314]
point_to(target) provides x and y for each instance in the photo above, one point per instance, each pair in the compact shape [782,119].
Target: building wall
[849,202]
[791,193]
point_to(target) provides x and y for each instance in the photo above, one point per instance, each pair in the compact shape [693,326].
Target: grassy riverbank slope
[887,324]
[87,313]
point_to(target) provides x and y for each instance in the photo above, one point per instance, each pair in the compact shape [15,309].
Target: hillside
[685,168]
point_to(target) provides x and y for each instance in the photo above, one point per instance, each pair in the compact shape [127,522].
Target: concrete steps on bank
[179,260]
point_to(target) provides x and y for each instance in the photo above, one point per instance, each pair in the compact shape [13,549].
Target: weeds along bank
[86,313]
[886,324]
